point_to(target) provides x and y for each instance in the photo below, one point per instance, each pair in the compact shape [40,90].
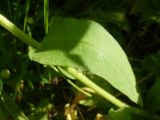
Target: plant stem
[26,14]
[82,78]
[78,88]
[17,32]
[46,15]
[95,87]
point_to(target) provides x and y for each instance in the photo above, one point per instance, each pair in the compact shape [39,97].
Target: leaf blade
[86,45]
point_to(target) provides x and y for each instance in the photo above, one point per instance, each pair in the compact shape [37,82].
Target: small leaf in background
[120,114]
[151,63]
[148,9]
[42,111]
[152,100]
[86,45]
[126,114]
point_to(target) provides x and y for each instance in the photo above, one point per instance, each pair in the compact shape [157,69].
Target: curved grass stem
[82,78]
[18,32]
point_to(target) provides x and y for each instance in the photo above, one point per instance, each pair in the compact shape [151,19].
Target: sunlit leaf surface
[86,45]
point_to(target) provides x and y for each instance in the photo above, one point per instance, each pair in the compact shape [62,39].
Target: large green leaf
[86,45]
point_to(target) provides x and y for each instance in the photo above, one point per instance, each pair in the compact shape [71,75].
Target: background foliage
[42,94]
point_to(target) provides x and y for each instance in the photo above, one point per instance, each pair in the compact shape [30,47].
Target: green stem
[95,87]
[78,88]
[30,41]
[26,14]
[46,15]
[17,32]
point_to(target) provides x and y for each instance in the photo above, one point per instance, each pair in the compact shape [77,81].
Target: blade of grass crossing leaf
[11,108]
[46,15]
[26,14]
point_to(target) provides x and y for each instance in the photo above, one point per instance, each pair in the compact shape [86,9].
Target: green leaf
[120,114]
[151,63]
[147,9]
[127,114]
[153,98]
[41,112]
[86,45]
[9,109]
